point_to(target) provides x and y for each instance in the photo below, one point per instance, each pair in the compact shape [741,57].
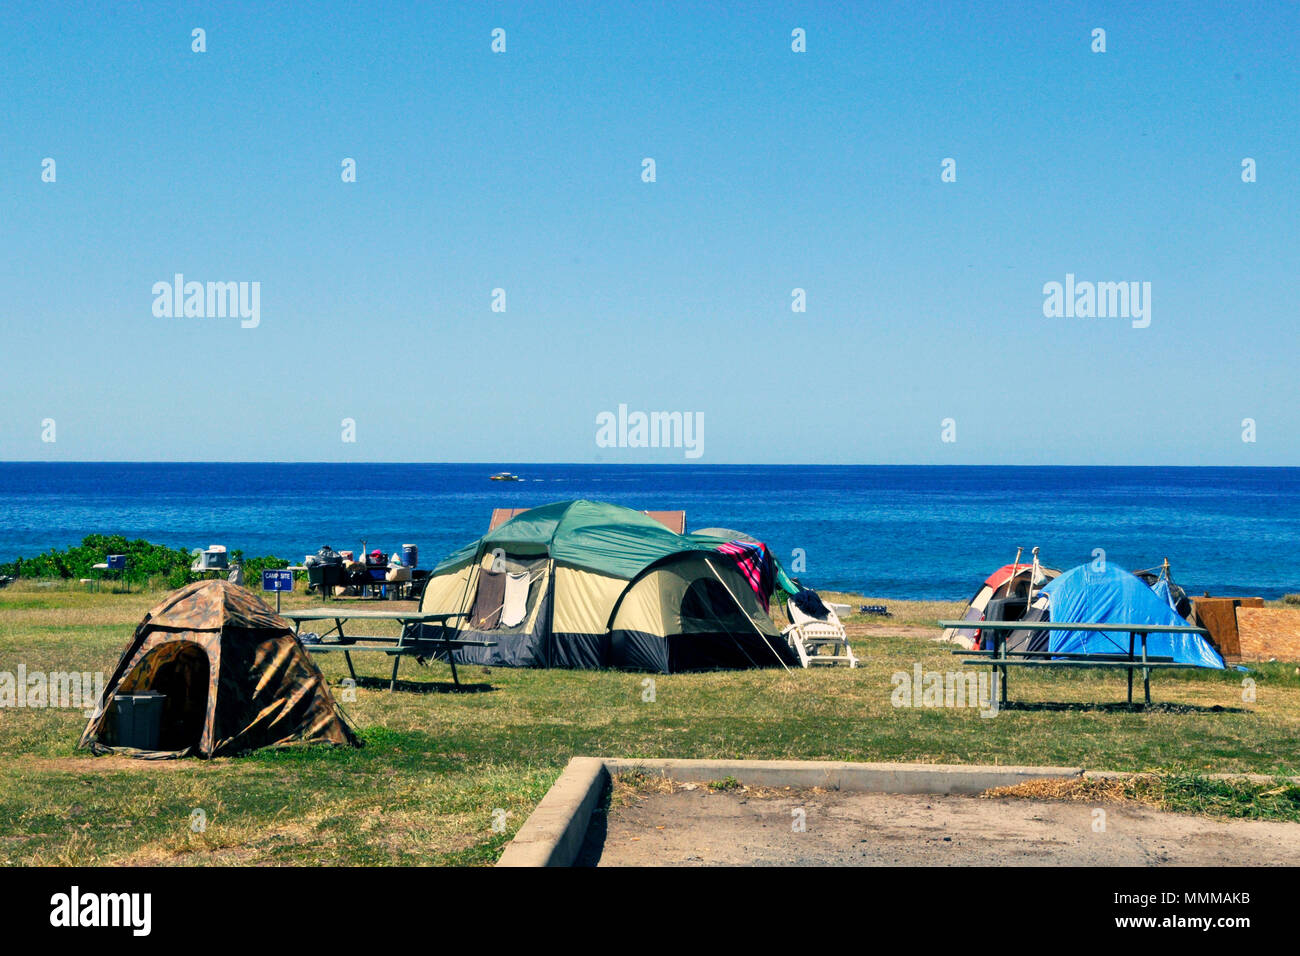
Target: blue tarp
[1162,590]
[1114,596]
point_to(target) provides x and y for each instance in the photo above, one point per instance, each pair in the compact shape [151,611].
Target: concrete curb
[837,775]
[554,833]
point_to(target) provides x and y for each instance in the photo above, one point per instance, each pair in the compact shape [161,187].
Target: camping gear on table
[328,556]
[410,555]
[611,587]
[213,558]
[232,676]
[325,577]
[114,566]
[815,633]
[355,573]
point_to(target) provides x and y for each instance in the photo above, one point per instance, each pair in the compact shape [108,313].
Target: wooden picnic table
[410,643]
[999,658]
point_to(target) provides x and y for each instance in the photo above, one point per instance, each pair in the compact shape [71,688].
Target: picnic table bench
[999,658]
[412,642]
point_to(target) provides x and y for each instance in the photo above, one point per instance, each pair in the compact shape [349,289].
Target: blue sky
[775,170]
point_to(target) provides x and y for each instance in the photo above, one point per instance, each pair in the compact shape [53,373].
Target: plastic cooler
[139,719]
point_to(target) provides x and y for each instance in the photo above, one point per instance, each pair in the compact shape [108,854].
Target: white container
[214,558]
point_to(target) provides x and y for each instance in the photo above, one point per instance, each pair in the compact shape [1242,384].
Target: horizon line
[624,464]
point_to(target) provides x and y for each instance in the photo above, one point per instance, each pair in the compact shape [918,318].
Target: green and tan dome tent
[587,584]
[232,675]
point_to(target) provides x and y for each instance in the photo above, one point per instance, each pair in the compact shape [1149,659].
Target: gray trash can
[139,719]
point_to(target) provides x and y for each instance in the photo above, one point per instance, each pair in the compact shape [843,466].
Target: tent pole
[472,570]
[1033,576]
[1015,569]
[722,625]
[747,617]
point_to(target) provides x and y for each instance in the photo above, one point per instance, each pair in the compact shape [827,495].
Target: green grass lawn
[436,765]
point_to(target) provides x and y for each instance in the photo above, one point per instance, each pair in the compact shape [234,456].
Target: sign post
[277,581]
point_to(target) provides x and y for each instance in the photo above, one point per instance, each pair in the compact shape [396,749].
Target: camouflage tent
[233,674]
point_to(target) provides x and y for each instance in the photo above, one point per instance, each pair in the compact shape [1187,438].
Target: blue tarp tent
[1114,596]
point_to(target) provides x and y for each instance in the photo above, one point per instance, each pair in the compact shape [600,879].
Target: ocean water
[891,531]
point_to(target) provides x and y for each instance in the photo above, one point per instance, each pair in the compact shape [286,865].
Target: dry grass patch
[1078,789]
[1177,793]
[630,785]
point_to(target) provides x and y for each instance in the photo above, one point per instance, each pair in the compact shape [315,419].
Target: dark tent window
[708,608]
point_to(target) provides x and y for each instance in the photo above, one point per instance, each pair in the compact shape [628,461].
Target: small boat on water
[504,476]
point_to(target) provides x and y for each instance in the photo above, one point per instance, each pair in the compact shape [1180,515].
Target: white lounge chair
[818,640]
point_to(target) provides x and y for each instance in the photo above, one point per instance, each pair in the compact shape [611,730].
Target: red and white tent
[1010,580]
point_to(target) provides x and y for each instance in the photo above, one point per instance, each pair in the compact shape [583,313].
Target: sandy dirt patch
[730,828]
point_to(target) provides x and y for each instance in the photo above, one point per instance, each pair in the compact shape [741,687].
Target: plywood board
[674,521]
[1269,632]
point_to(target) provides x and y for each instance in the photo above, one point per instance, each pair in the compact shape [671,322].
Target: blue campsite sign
[273,580]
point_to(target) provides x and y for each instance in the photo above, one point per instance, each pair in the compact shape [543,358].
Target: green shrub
[144,561]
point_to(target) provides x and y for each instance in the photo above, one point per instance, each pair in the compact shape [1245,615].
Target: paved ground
[702,828]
